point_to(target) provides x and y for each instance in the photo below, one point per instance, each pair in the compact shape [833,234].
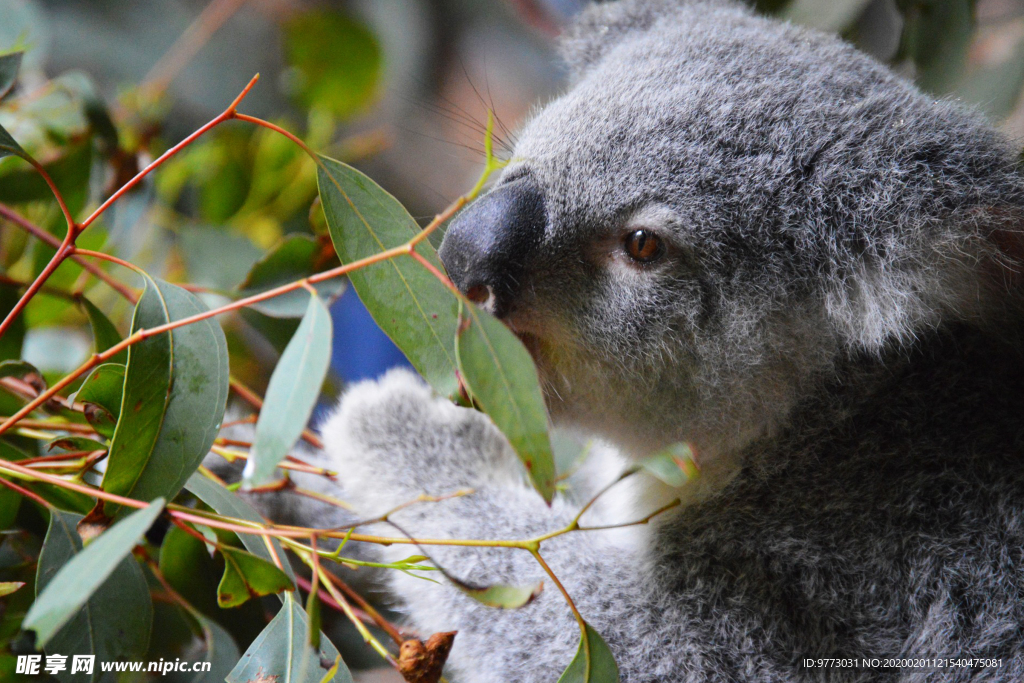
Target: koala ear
[970,270]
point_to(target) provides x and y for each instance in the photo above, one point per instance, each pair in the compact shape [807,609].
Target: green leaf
[61,596]
[9,65]
[8,587]
[175,390]
[92,631]
[103,331]
[291,393]
[9,147]
[593,662]
[247,576]
[673,465]
[293,258]
[102,393]
[75,443]
[500,595]
[502,379]
[936,36]
[343,80]
[834,15]
[413,307]
[227,503]
[221,651]
[282,653]
[18,368]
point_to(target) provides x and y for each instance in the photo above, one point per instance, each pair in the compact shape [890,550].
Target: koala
[750,237]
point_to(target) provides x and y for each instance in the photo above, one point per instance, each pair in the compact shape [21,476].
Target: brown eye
[643,246]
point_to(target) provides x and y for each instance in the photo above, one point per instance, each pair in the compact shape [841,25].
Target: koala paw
[392,439]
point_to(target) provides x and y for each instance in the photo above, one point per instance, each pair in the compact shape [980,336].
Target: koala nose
[487,245]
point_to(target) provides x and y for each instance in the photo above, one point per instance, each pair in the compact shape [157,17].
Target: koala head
[721,210]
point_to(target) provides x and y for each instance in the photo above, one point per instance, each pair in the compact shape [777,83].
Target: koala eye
[643,246]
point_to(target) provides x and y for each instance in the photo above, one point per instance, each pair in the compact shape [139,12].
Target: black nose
[487,245]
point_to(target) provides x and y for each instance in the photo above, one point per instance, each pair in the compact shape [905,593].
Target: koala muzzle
[488,245]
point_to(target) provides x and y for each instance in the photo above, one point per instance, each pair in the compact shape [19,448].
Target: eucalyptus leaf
[282,653]
[103,331]
[102,393]
[92,631]
[10,147]
[673,465]
[502,379]
[593,662]
[18,368]
[415,309]
[229,504]
[501,596]
[8,587]
[175,390]
[247,576]
[221,651]
[61,596]
[74,443]
[292,393]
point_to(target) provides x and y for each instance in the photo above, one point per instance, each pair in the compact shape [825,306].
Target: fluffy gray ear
[969,270]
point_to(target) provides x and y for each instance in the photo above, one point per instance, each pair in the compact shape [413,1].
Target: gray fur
[834,329]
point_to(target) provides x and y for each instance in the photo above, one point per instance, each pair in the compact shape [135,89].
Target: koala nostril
[479,293]
[488,245]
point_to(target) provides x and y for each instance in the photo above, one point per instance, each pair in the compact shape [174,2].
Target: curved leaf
[502,379]
[175,391]
[102,393]
[10,147]
[80,577]
[104,333]
[412,306]
[8,587]
[502,596]
[221,651]
[674,465]
[593,662]
[282,653]
[292,393]
[247,576]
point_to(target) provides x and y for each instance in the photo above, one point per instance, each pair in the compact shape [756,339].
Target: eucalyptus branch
[44,236]
[66,248]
